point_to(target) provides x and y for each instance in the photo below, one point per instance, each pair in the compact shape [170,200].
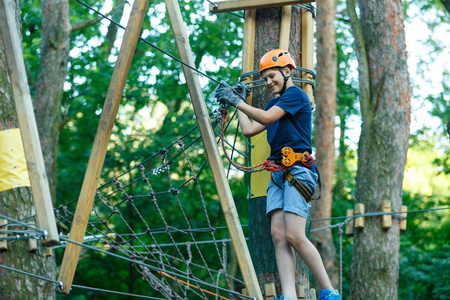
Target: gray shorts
[281,195]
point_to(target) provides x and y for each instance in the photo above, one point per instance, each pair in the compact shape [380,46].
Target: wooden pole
[33,152]
[233,5]
[103,135]
[212,152]
[248,47]
[308,51]
[260,149]
[285,27]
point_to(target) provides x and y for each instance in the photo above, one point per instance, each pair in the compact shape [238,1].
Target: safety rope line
[159,169]
[156,231]
[123,244]
[60,284]
[308,7]
[18,222]
[156,268]
[151,44]
[117,183]
[114,292]
[108,246]
[395,213]
[230,12]
[195,178]
[265,165]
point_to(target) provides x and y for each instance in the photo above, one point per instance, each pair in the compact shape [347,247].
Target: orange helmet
[276,58]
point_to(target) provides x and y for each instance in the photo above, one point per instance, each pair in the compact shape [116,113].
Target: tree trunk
[385,106]
[55,46]
[324,126]
[261,246]
[446,4]
[17,203]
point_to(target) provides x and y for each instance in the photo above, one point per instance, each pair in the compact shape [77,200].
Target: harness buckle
[290,158]
[292,181]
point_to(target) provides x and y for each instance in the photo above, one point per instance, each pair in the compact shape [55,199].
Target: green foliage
[156,110]
[424,245]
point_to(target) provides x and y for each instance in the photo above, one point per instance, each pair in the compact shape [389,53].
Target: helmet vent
[276,58]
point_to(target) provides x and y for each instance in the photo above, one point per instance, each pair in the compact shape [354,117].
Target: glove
[231,95]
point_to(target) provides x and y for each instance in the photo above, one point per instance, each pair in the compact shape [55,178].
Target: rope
[155,268]
[265,165]
[60,284]
[308,7]
[114,292]
[230,12]
[108,208]
[147,42]
[395,213]
[27,225]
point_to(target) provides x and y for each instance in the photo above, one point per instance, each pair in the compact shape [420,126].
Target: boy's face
[274,80]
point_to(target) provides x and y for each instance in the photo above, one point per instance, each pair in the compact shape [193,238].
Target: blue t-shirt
[293,129]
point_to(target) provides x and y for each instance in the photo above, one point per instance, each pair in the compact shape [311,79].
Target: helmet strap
[286,78]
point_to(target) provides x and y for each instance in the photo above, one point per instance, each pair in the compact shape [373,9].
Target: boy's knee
[295,237]
[278,235]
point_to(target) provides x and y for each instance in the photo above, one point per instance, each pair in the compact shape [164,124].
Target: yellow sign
[260,152]
[13,165]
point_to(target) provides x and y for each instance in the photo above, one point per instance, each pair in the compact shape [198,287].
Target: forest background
[156,98]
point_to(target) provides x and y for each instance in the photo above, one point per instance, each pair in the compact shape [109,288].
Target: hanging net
[159,215]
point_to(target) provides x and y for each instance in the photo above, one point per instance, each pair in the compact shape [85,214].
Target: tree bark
[324,126]
[55,46]
[260,244]
[17,203]
[385,106]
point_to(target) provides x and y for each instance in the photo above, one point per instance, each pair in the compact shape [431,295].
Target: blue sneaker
[328,295]
[284,298]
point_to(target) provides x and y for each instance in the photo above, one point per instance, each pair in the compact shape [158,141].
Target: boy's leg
[295,235]
[284,254]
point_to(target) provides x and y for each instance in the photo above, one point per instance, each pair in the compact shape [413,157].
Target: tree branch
[363,61]
[84,24]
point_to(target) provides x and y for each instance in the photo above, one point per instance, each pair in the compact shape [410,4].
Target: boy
[287,119]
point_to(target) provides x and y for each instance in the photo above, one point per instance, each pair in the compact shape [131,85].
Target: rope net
[159,214]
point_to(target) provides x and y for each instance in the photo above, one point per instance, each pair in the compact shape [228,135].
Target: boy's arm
[225,94]
[248,127]
[261,118]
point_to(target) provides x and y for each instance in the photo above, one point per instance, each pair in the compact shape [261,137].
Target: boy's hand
[231,95]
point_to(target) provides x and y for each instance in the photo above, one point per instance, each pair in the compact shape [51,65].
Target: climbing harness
[288,159]
[303,190]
